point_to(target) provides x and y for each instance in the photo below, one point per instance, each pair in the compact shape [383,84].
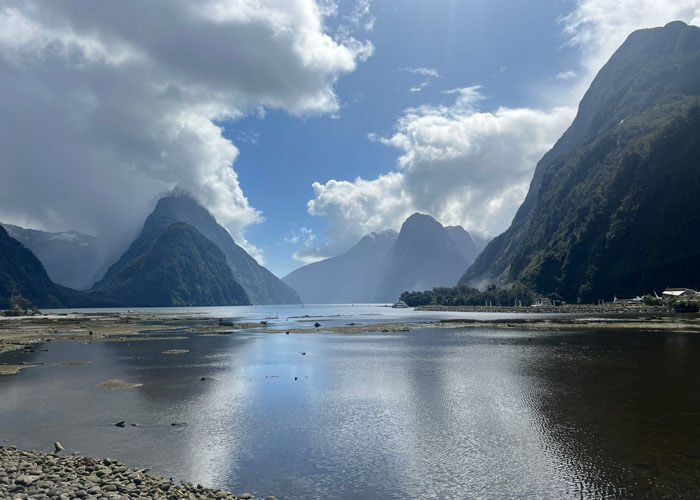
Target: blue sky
[300,124]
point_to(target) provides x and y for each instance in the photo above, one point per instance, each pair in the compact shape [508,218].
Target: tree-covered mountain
[382,265]
[613,206]
[260,285]
[70,258]
[423,256]
[345,279]
[21,273]
[174,266]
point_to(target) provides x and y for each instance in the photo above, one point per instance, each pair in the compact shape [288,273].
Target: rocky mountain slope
[70,258]
[612,208]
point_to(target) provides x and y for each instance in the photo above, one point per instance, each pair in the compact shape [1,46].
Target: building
[670,293]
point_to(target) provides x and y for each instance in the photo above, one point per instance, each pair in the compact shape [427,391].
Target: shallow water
[432,413]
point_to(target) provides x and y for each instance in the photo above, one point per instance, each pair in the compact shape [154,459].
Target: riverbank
[22,333]
[609,308]
[32,474]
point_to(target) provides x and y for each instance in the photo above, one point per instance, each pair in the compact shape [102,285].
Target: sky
[302,125]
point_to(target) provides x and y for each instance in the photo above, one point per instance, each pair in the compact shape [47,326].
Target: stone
[25,480]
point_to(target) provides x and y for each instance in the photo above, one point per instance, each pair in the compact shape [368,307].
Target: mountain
[174,266]
[346,279]
[467,246]
[21,273]
[382,265]
[612,208]
[423,256]
[260,285]
[70,258]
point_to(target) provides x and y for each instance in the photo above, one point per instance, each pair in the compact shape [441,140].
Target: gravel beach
[36,475]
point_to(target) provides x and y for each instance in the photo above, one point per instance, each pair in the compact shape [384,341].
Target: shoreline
[29,474]
[22,332]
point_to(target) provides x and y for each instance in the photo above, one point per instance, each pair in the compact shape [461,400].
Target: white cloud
[307,238]
[428,73]
[566,75]
[431,72]
[105,107]
[457,163]
[361,15]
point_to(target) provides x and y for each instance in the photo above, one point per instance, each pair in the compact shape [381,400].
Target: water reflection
[431,414]
[622,409]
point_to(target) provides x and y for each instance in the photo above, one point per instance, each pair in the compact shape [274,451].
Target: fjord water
[430,413]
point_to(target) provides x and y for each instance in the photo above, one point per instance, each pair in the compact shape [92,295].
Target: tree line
[463,295]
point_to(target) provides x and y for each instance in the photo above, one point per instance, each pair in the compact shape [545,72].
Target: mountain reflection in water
[433,413]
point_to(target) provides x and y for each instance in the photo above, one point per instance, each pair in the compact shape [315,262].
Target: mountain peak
[261,286]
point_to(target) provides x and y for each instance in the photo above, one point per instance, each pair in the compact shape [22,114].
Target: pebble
[38,476]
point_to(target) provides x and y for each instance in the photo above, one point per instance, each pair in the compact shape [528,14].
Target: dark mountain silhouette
[260,285]
[175,266]
[70,258]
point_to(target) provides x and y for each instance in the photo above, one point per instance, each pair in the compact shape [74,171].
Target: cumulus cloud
[105,107]
[458,163]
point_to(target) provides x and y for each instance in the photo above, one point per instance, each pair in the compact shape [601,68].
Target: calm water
[454,413]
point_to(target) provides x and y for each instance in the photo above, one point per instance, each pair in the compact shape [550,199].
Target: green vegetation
[651,300]
[20,307]
[612,208]
[463,295]
[681,305]
[23,278]
[176,266]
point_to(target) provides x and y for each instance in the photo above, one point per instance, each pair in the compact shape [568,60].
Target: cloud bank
[469,167]
[106,106]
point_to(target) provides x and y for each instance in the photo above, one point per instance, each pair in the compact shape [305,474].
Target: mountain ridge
[260,285]
[365,273]
[592,193]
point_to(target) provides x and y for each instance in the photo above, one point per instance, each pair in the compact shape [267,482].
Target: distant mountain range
[21,273]
[380,266]
[70,258]
[613,207]
[182,257]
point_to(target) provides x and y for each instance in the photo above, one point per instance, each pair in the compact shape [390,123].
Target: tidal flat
[382,404]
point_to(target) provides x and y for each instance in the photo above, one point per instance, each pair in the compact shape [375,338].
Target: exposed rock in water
[116,383]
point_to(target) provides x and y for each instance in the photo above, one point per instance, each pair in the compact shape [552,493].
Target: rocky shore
[41,476]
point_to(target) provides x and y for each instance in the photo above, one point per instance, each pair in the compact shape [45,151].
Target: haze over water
[430,413]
